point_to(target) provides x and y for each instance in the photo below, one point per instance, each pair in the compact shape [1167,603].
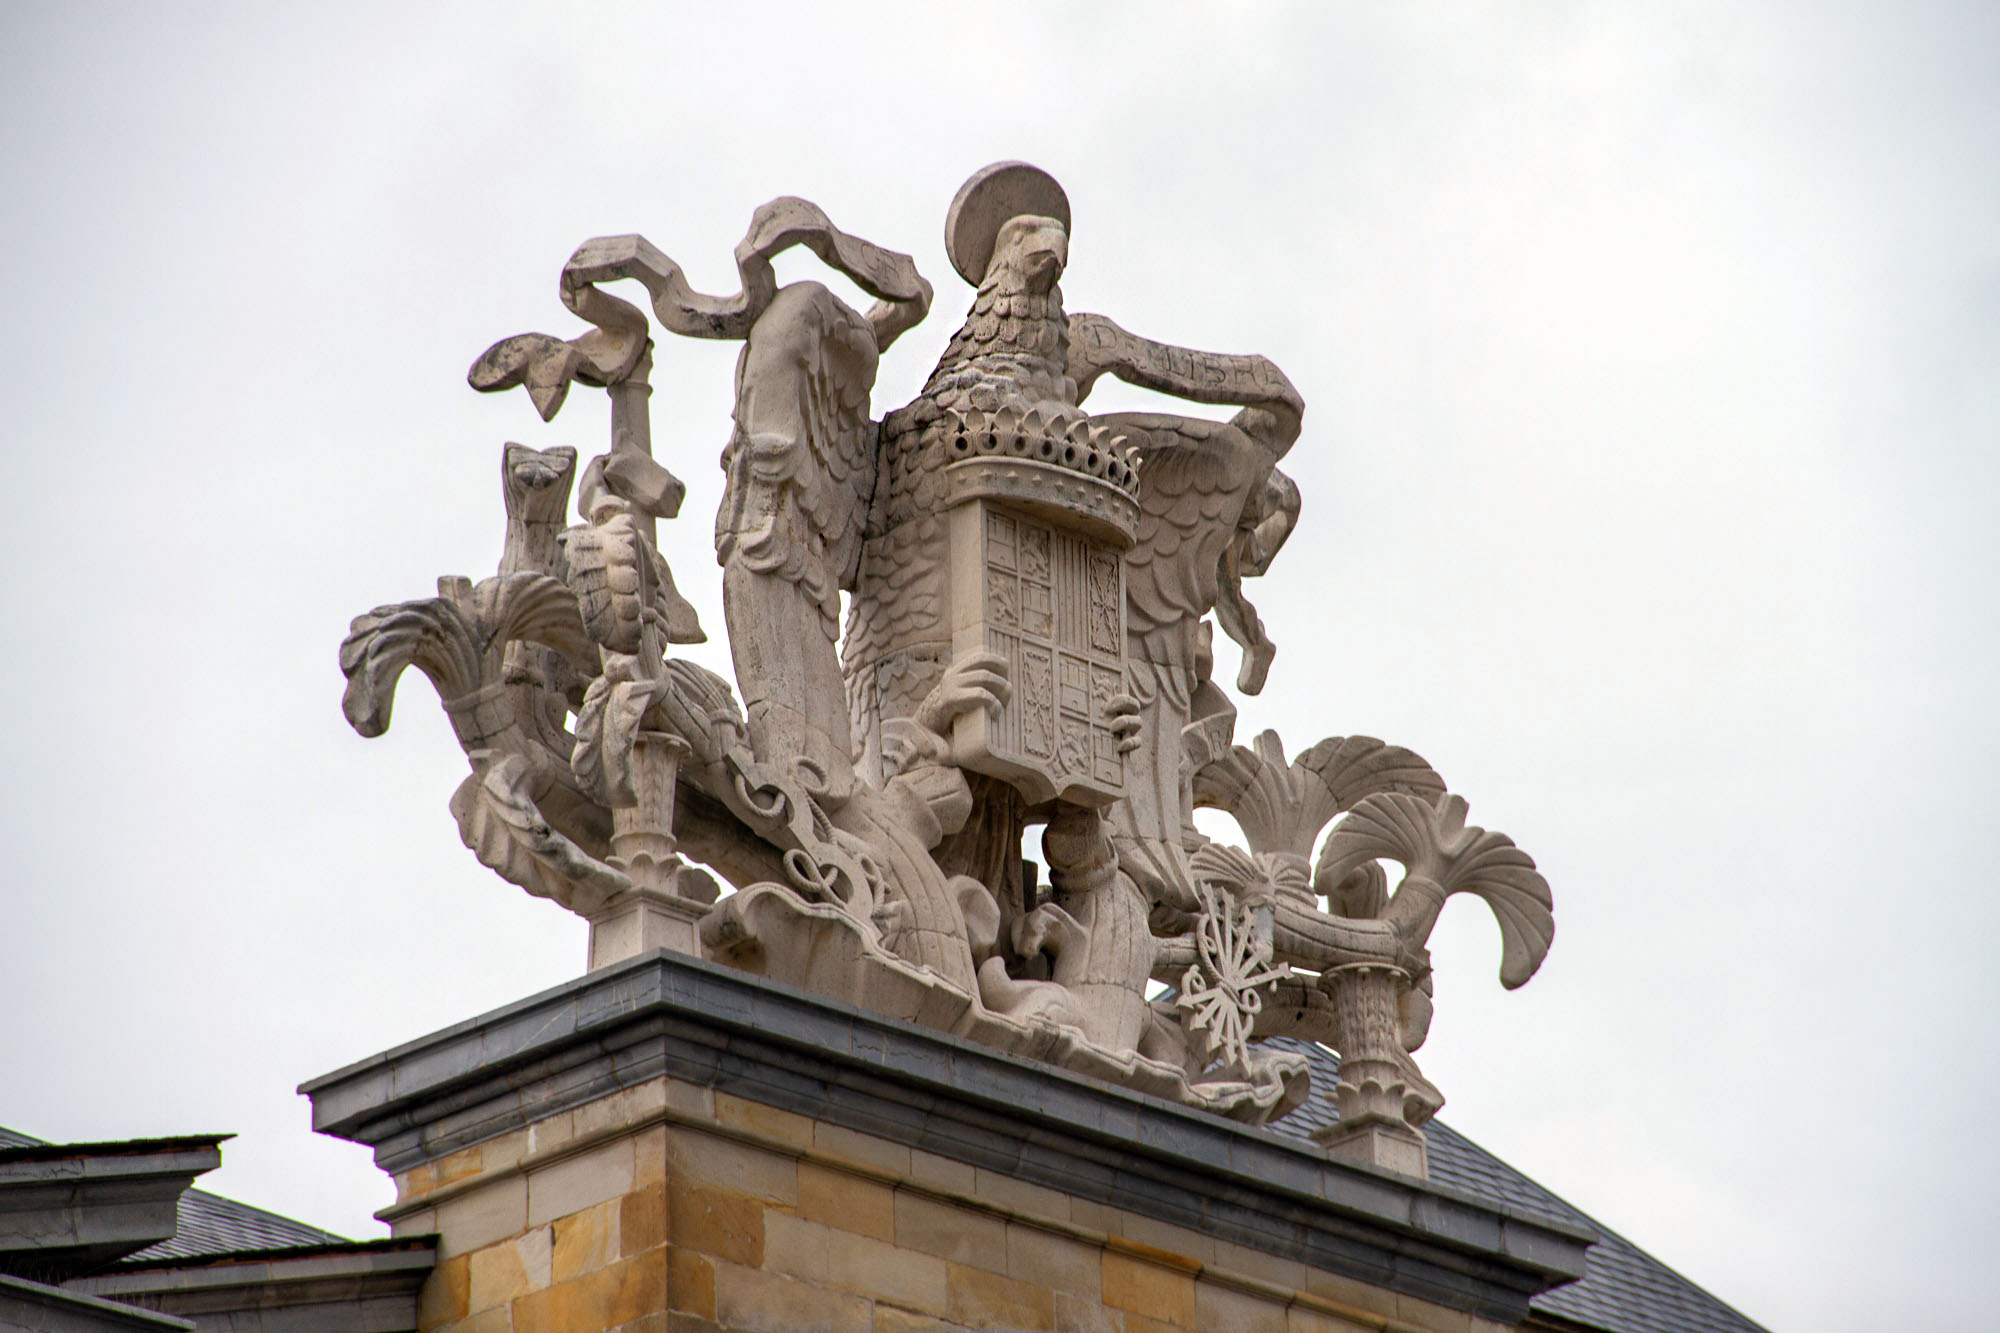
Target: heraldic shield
[1041,516]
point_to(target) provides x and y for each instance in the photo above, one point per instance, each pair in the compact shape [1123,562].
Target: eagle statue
[1028,590]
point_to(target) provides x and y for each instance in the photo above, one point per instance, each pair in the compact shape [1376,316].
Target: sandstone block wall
[672,1208]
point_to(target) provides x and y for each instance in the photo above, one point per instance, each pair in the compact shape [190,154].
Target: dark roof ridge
[380,1245]
[55,1152]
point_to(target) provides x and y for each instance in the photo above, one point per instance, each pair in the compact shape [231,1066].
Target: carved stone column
[666,898]
[1372,1094]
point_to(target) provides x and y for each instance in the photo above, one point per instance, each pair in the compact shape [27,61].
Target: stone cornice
[668,1014]
[35,1305]
[66,1208]
[358,1285]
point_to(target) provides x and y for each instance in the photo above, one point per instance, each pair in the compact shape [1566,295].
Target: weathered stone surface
[894,1273]
[848,1201]
[1075,1314]
[866,1151]
[888,1319]
[447,1293]
[1142,1287]
[1054,1261]
[1019,1195]
[607,1298]
[690,1282]
[794,1245]
[732,1167]
[766,1122]
[757,1302]
[716,1222]
[932,1226]
[642,1221]
[1217,1306]
[477,1219]
[500,1273]
[576,1181]
[982,1299]
[588,1240]
[1033,592]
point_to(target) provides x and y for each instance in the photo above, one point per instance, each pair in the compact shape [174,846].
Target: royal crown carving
[1027,647]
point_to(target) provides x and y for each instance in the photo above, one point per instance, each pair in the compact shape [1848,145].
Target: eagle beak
[1051,246]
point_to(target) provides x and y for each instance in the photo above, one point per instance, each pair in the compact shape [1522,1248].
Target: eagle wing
[1194,478]
[801,459]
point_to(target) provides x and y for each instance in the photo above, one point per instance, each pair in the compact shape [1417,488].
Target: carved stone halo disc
[989,200]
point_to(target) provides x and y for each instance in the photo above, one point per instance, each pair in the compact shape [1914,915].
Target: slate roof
[207,1224]
[1623,1289]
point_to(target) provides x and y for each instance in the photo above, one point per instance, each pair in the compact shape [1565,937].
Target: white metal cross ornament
[1224,992]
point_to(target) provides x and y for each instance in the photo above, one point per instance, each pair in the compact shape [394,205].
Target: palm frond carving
[1281,807]
[458,639]
[430,635]
[1355,767]
[1442,855]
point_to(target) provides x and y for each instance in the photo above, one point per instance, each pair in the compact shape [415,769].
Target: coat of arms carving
[1030,591]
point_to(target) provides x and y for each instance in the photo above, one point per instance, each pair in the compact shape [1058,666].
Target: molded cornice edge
[669,1014]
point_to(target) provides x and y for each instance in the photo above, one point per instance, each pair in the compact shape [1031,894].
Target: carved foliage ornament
[1028,645]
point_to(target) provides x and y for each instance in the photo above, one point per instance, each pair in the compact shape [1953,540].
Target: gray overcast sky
[1650,470]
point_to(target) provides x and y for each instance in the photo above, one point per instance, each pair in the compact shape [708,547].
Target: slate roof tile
[208,1225]
[1623,1289]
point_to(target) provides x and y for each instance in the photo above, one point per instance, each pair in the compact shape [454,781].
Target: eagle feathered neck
[1012,334]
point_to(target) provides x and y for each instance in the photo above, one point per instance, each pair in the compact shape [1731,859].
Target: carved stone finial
[1028,642]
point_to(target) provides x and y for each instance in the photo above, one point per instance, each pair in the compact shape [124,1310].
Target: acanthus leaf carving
[500,822]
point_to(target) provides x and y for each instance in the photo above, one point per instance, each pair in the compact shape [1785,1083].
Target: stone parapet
[669,1144]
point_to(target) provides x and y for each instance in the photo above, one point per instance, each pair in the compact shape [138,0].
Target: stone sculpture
[1028,645]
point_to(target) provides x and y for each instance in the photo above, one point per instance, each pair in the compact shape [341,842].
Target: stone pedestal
[670,1146]
[641,921]
[667,898]
[1373,1095]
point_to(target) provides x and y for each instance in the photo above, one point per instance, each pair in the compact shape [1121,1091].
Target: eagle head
[1028,255]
